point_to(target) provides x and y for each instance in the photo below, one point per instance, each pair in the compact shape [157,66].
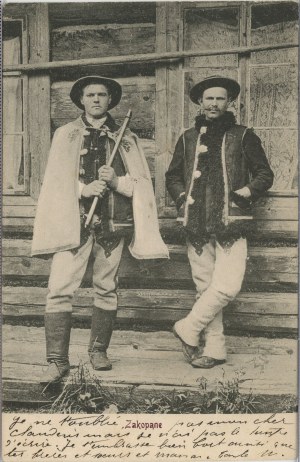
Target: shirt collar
[96,123]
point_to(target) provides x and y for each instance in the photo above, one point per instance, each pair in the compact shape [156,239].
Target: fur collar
[222,123]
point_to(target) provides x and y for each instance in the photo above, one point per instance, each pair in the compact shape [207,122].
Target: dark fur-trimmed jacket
[210,162]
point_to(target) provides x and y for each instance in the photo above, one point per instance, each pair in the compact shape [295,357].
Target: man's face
[95,99]
[214,102]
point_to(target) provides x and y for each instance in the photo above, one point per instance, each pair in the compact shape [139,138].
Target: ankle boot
[101,332]
[57,331]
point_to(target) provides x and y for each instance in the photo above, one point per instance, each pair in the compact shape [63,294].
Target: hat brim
[230,85]
[112,86]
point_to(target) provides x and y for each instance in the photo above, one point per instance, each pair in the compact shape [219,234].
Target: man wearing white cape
[77,171]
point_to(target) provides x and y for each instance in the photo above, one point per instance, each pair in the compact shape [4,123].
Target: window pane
[12,33]
[211,28]
[12,105]
[275,23]
[281,149]
[274,98]
[13,163]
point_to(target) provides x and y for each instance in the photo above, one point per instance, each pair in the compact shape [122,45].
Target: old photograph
[150,230]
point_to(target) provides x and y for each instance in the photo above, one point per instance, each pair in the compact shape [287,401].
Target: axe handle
[109,163]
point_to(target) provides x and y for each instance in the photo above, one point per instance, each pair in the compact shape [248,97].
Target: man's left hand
[244,192]
[109,176]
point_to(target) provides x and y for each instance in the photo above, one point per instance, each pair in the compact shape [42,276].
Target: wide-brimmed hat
[112,86]
[230,85]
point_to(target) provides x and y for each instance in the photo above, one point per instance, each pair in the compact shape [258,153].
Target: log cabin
[157,51]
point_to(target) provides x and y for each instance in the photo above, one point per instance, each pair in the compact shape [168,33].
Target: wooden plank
[18,224]
[268,208]
[158,367]
[156,299]
[39,95]
[285,229]
[261,312]
[168,95]
[146,344]
[18,201]
[98,13]
[176,269]
[138,94]
[161,106]
[265,265]
[165,57]
[90,41]
[18,211]
[276,208]
[26,392]
[159,340]
[13,11]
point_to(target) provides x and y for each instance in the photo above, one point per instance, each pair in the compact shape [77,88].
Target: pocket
[240,202]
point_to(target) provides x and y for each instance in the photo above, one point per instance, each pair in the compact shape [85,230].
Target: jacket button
[190,200]
[83,152]
[202,148]
[197,174]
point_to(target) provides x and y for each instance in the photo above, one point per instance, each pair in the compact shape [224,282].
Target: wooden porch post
[168,108]
[39,97]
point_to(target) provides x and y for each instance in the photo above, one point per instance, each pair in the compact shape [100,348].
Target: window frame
[24,78]
[166,210]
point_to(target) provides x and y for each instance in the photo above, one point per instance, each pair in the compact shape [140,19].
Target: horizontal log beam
[267,268]
[137,58]
[260,312]
[85,41]
[285,230]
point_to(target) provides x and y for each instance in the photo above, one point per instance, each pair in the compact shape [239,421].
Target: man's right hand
[96,188]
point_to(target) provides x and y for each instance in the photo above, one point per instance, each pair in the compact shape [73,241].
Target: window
[15,157]
[209,29]
[272,105]
[268,78]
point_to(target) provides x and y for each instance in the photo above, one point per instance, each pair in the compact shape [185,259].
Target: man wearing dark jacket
[218,169]
[76,173]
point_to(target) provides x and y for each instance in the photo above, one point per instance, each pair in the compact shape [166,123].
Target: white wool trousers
[68,269]
[218,274]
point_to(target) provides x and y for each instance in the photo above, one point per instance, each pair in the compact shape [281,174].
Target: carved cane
[109,163]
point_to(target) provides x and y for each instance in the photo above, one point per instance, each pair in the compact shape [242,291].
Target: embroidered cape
[57,221]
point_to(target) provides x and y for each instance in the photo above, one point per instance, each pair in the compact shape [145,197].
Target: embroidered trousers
[68,269]
[218,275]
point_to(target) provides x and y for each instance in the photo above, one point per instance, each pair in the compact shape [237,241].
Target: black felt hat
[230,85]
[112,86]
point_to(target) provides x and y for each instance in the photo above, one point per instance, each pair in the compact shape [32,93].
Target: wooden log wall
[86,41]
[267,303]
[91,41]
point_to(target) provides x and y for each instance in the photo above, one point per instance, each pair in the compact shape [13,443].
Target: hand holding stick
[110,161]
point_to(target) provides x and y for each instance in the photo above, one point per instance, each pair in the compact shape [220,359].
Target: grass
[85,393]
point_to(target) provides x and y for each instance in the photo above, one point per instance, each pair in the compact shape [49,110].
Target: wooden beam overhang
[141,58]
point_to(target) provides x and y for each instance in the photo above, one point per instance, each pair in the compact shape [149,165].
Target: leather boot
[101,332]
[57,331]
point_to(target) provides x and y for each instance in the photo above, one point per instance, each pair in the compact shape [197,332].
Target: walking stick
[110,161]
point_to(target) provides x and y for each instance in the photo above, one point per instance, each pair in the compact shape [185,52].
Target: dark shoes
[205,362]
[100,361]
[190,353]
[101,332]
[57,331]
[54,373]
